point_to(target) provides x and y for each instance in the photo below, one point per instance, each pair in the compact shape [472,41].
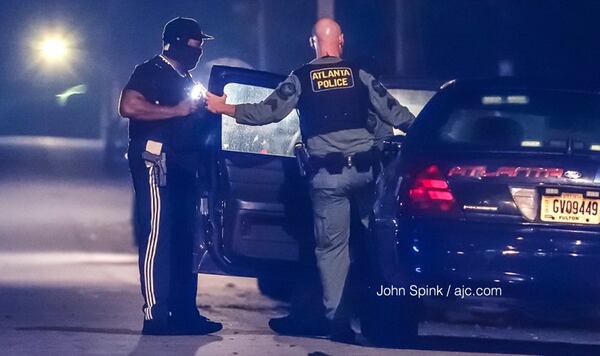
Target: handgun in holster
[303,159]
[160,163]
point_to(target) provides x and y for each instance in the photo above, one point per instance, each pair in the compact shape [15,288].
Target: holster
[303,159]
[160,164]
[334,163]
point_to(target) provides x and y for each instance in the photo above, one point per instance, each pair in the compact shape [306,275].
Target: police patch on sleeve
[379,88]
[272,103]
[331,78]
[286,90]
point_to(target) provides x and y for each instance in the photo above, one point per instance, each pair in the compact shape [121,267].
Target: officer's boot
[341,331]
[299,325]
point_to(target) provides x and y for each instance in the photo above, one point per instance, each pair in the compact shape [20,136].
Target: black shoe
[345,335]
[341,331]
[294,325]
[195,325]
[156,327]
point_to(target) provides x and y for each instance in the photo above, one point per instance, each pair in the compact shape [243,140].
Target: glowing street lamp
[54,48]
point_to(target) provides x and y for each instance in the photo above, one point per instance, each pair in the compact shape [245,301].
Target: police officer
[164,129]
[333,97]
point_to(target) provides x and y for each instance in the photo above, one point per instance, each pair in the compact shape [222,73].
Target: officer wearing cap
[333,97]
[164,128]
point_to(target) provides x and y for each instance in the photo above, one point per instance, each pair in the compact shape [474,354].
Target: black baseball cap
[184,28]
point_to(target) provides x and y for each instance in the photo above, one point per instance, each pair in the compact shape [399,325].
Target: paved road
[69,282]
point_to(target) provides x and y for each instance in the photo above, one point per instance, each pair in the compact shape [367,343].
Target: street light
[54,48]
[53,51]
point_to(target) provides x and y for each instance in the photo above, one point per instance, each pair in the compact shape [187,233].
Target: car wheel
[390,321]
[275,288]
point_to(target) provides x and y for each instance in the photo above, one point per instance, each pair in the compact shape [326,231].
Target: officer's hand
[216,104]
[187,106]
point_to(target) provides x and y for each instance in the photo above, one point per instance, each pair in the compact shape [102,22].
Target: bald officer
[333,97]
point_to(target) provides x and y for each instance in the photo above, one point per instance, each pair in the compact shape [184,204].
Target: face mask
[185,55]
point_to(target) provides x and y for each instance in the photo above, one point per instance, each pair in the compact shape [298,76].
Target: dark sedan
[491,205]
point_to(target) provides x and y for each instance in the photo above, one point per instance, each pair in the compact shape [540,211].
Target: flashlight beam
[198,92]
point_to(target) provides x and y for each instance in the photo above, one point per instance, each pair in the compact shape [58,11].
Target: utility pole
[326,8]
[262,35]
[400,33]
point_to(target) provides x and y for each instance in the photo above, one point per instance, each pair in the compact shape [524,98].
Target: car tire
[275,288]
[390,321]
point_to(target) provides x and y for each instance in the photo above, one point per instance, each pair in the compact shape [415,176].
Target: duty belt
[334,163]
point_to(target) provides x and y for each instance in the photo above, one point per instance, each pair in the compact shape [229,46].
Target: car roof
[508,83]
[424,84]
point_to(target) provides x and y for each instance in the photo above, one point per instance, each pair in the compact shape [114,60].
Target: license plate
[570,208]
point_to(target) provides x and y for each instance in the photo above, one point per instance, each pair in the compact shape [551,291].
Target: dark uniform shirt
[162,85]
[348,140]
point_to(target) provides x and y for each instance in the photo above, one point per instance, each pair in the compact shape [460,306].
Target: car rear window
[522,120]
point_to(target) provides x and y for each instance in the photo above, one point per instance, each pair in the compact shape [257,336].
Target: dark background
[425,39]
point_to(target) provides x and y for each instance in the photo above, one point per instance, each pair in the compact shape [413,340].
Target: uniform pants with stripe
[165,218]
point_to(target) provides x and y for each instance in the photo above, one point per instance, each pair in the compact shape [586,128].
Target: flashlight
[198,92]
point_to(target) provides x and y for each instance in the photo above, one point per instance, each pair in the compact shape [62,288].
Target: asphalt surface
[69,281]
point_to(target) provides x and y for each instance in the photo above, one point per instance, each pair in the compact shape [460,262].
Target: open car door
[258,203]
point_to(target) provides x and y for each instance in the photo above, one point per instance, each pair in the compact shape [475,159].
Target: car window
[414,100]
[279,138]
[535,120]
[272,139]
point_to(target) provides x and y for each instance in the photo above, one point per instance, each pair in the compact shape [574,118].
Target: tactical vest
[333,98]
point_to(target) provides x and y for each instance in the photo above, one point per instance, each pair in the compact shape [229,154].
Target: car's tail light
[430,192]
